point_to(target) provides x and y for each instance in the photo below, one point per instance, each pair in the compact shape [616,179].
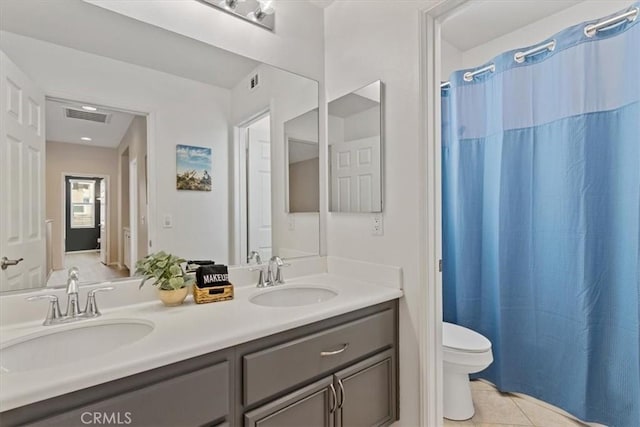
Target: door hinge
[440,265]
[150,244]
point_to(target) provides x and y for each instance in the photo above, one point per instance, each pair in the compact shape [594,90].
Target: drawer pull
[341,394]
[334,401]
[333,353]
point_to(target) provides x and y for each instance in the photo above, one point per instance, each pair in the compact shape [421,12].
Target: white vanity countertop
[179,333]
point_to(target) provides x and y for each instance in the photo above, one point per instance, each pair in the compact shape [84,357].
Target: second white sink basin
[61,346]
[293,296]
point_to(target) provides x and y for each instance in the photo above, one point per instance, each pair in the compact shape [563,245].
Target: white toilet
[464,352]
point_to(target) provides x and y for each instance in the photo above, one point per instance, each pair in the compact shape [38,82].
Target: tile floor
[495,409]
[91,269]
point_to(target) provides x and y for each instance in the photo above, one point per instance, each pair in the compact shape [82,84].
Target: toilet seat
[459,338]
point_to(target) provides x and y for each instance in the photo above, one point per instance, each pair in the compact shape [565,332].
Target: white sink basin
[61,346]
[293,296]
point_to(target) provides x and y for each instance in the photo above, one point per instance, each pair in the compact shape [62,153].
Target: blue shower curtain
[541,220]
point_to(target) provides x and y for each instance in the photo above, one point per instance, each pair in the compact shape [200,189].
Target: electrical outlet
[377,226]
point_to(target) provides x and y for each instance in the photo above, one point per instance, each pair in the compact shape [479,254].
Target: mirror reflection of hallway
[85,207]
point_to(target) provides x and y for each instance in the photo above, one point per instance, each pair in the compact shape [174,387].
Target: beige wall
[77,159]
[135,140]
[304,186]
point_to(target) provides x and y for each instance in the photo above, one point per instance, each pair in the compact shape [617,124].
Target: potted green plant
[166,271]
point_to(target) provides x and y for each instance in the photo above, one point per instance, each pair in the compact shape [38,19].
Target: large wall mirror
[120,149]
[355,150]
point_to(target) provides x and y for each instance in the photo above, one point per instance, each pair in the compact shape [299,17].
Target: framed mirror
[180,148]
[355,135]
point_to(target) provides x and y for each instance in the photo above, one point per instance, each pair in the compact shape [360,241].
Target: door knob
[5,262]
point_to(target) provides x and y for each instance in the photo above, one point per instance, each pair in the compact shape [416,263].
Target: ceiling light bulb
[265,7]
[86,138]
[89,108]
[230,4]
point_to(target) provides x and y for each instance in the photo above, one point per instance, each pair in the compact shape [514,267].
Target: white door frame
[133,213]
[238,236]
[430,250]
[84,175]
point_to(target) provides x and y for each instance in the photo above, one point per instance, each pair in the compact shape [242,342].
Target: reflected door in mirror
[355,151]
[259,188]
[22,146]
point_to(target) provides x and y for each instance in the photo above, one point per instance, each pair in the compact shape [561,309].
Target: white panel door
[355,176]
[22,198]
[259,192]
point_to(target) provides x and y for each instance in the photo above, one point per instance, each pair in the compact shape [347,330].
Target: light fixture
[89,108]
[259,12]
[265,7]
[86,138]
[230,4]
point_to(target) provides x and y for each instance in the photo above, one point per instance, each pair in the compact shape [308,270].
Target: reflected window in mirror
[355,150]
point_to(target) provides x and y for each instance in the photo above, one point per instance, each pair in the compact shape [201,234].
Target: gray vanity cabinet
[195,392]
[310,406]
[342,374]
[362,395]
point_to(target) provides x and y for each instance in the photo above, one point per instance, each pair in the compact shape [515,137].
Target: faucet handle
[93,292]
[53,313]
[73,273]
[260,269]
[91,310]
[279,277]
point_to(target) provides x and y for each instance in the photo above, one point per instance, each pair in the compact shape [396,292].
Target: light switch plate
[292,223]
[167,221]
[377,225]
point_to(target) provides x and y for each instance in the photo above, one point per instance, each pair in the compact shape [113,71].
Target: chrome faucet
[256,255]
[276,262]
[272,275]
[73,312]
[72,293]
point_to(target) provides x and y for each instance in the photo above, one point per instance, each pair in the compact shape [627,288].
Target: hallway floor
[495,409]
[91,269]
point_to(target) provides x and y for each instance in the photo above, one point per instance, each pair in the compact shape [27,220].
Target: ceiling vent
[70,113]
[254,82]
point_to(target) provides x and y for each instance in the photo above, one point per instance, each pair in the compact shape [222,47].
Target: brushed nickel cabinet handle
[332,353]
[342,397]
[334,401]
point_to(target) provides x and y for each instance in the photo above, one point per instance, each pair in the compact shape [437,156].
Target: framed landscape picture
[193,168]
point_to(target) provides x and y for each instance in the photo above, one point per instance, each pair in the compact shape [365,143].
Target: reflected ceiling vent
[71,113]
[254,82]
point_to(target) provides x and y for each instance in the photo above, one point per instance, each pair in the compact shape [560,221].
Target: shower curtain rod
[589,30]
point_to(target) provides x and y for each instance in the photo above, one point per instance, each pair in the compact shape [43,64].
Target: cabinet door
[367,392]
[311,406]
[194,399]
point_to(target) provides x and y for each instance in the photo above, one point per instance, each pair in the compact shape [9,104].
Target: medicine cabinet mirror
[356,150]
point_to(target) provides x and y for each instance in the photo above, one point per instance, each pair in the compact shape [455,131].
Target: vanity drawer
[278,368]
[196,398]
